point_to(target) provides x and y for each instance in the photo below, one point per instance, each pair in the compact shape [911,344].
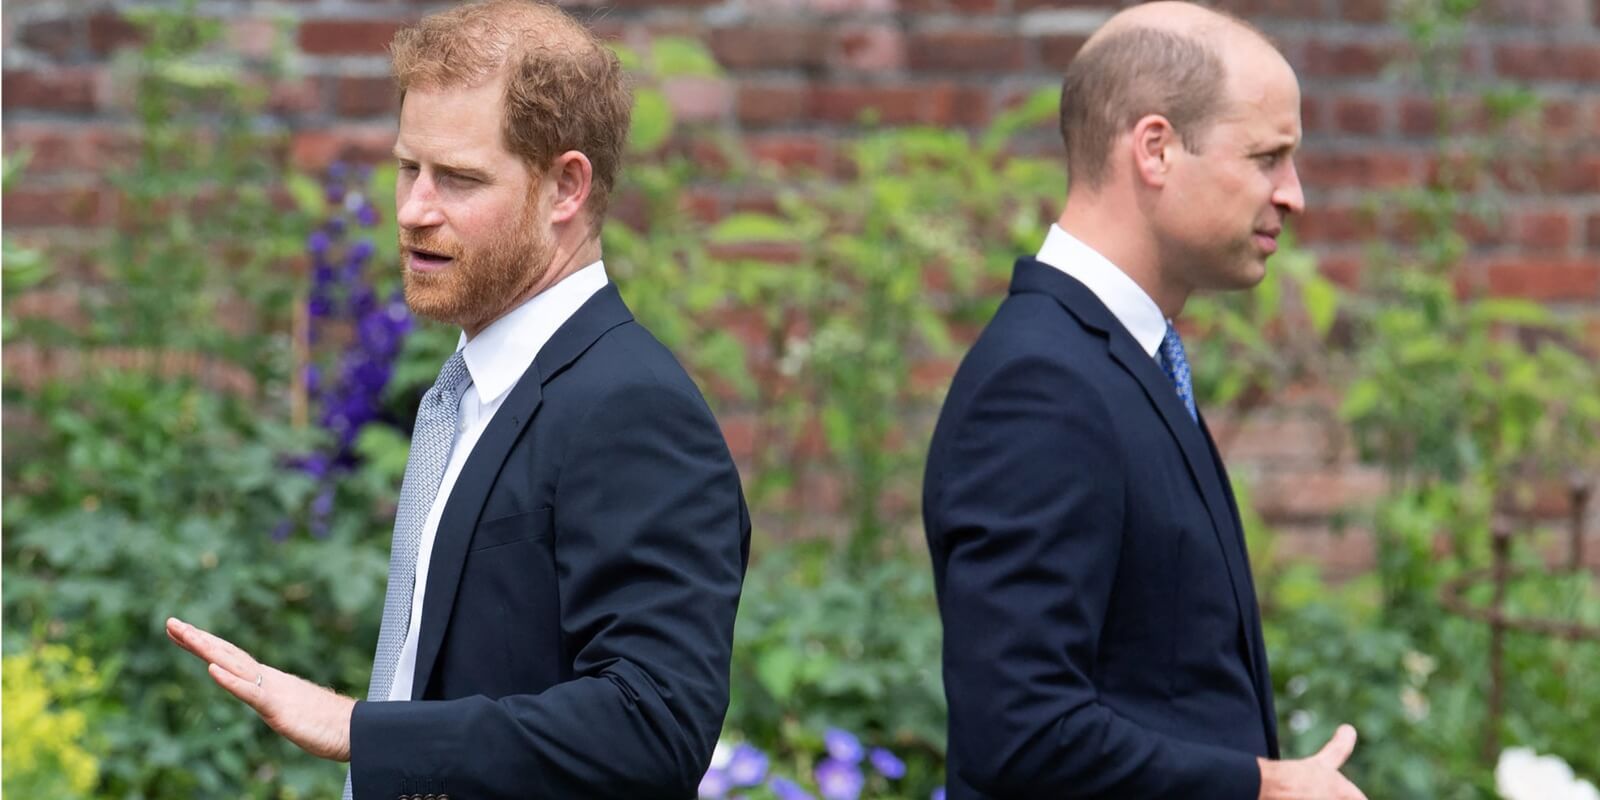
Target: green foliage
[48,742]
[134,492]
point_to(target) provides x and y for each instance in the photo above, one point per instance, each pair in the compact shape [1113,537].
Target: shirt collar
[499,355]
[1129,303]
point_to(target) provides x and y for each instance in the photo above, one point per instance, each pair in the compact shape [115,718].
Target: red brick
[1542,13]
[1263,438]
[1548,229]
[315,150]
[1544,279]
[254,38]
[1031,5]
[697,99]
[896,104]
[1560,119]
[967,51]
[1341,553]
[1057,51]
[1324,59]
[332,37]
[1336,224]
[811,151]
[1283,9]
[1360,115]
[300,96]
[109,32]
[874,48]
[366,96]
[60,89]
[796,47]
[772,103]
[1366,168]
[69,148]
[1594,232]
[1419,116]
[952,104]
[1548,61]
[1343,269]
[1315,493]
[56,38]
[1364,10]
[37,207]
[739,430]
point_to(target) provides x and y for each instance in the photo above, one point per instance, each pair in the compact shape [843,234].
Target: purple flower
[843,745]
[887,764]
[747,766]
[367,215]
[938,794]
[281,531]
[714,784]
[786,789]
[322,506]
[839,780]
[360,252]
[335,227]
[318,242]
[338,170]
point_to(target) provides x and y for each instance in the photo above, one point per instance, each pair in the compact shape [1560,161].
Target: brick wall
[800,72]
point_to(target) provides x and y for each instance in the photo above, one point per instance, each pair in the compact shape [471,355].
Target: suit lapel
[602,312]
[1193,440]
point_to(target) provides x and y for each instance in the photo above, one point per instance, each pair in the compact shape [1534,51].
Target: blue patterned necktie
[1176,365]
[431,442]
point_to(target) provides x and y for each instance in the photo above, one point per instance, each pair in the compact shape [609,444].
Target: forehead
[455,124]
[1263,100]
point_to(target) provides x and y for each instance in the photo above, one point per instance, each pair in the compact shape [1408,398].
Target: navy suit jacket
[1102,638]
[578,622]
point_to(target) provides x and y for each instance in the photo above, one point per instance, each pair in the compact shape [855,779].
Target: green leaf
[1360,400]
[652,121]
[750,227]
[307,193]
[1321,300]
[676,56]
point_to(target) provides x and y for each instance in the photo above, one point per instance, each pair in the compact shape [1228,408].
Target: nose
[1288,195]
[416,202]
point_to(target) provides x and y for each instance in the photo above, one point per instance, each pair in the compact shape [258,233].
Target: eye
[406,166]
[1269,159]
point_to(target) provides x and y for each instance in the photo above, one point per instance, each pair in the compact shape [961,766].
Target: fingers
[213,649]
[1338,749]
[245,690]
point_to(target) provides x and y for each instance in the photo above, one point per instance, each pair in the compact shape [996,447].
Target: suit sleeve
[652,538]
[1028,512]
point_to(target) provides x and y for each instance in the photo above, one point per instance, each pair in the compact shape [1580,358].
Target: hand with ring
[315,718]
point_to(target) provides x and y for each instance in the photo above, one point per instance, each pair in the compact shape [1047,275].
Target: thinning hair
[1119,78]
[564,89]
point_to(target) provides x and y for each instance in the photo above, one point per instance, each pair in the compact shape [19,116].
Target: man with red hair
[571,536]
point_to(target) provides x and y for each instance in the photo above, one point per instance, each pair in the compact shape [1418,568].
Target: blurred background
[209,379]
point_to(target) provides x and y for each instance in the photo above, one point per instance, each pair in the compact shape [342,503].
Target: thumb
[1338,749]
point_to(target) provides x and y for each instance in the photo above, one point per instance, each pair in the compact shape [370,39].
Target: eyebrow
[453,169]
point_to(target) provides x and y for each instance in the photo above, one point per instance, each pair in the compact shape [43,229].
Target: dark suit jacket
[1101,631]
[578,622]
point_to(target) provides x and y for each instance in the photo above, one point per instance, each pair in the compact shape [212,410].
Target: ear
[572,176]
[1154,141]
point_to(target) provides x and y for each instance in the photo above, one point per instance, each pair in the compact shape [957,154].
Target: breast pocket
[521,527]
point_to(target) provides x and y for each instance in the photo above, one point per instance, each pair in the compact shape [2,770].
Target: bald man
[1102,638]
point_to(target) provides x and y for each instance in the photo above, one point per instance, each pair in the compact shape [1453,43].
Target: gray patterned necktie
[431,442]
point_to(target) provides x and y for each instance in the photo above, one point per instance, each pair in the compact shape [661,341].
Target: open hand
[315,718]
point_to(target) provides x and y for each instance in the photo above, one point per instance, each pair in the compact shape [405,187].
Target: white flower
[1300,721]
[1419,665]
[1522,774]
[1415,704]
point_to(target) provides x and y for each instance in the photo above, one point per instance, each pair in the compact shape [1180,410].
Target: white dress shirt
[1129,303]
[496,359]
